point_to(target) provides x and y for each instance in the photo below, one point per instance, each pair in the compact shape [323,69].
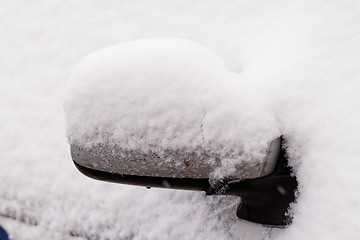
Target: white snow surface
[166,94]
[297,60]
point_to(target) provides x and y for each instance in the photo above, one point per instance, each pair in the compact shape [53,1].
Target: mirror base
[266,200]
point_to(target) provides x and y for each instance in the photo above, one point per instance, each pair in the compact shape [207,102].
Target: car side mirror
[265,198]
[162,126]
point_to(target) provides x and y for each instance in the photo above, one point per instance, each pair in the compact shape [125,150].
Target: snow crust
[298,60]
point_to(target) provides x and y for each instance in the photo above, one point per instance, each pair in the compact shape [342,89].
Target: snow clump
[166,94]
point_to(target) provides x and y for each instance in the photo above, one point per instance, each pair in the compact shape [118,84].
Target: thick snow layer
[164,95]
[298,60]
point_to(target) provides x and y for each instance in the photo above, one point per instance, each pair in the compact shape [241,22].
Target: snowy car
[287,69]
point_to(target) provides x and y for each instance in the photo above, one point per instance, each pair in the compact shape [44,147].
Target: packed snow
[297,62]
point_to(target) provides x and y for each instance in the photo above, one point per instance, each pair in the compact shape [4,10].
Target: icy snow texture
[169,98]
[300,59]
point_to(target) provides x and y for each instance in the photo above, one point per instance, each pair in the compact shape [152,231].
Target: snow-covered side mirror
[168,113]
[265,197]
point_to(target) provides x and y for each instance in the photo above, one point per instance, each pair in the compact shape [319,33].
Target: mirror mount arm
[265,200]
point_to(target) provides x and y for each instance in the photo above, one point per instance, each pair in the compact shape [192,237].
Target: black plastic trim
[266,200]
[158,182]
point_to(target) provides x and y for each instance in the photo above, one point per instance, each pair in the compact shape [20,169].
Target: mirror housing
[172,163]
[265,199]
